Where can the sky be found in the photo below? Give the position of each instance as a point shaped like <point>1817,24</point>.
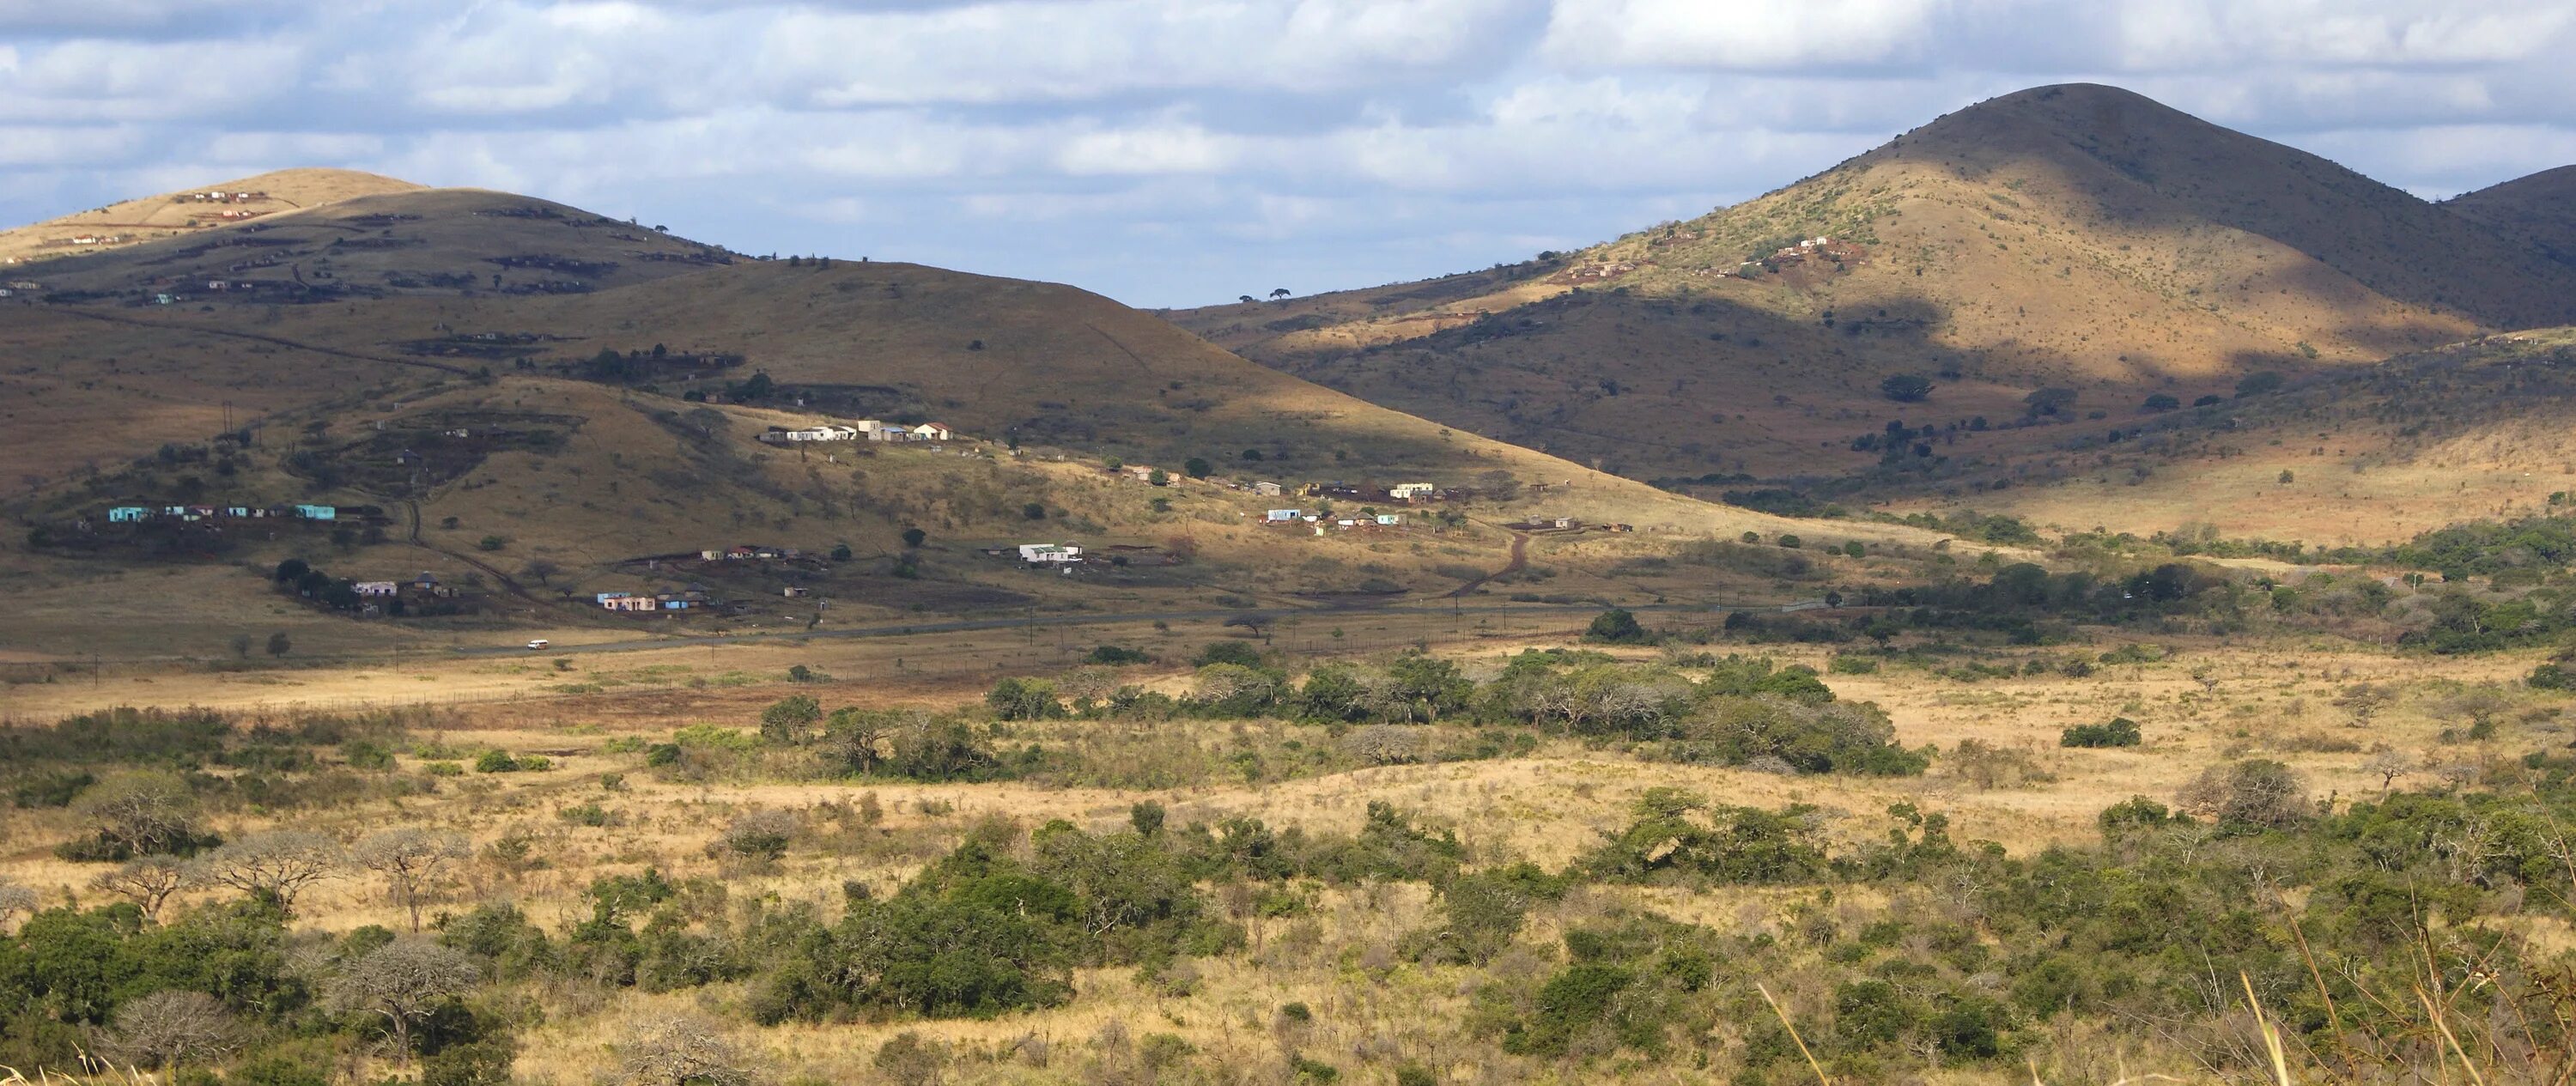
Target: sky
<point>1183,152</point>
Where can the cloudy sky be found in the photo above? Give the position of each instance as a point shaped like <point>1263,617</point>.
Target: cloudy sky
<point>1176,152</point>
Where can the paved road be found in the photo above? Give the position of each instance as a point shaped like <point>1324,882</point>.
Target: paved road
<point>1025,621</point>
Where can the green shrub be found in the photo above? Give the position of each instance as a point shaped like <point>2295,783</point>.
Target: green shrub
<point>496,761</point>
<point>2119,731</point>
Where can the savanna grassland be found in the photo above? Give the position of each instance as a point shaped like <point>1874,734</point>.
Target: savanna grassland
<point>2103,616</point>
<point>2121,819</point>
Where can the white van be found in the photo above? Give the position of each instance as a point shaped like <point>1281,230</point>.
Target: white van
<point>537,644</point>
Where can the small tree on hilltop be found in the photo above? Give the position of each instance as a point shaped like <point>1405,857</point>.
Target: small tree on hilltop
<point>274,866</point>
<point>402,982</point>
<point>1906,388</point>
<point>413,862</point>
<point>168,1029</point>
<point>681,1050</point>
<point>1616,626</point>
<point>914,537</point>
<point>791,720</point>
<point>141,813</point>
<point>147,881</point>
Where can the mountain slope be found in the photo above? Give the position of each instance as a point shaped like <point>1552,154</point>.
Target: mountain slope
<point>2080,237</point>
<point>379,315</point>
<point>171,214</point>
<point>2540,208</point>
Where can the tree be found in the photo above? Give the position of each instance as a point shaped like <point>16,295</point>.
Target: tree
<point>1197,467</point>
<point>681,1050</point>
<point>2388,765</point>
<point>840,552</point>
<point>141,813</point>
<point>907,1059</point>
<point>172,1028</point>
<point>1280,292</point>
<point>760,835</point>
<point>541,570</point>
<point>913,537</point>
<point>2160,403</point>
<point>16,898</point>
<point>241,646</point>
<point>1246,299</point>
<point>402,981</point>
<point>856,736</point>
<point>1616,626</point>
<point>1158,477</point>
<point>413,862</point>
<point>2049,401</point>
<point>2257,792</point>
<point>1033,511</point>
<point>1906,388</point>
<point>275,865</point>
<point>147,881</point>
<point>278,643</point>
<point>791,720</point>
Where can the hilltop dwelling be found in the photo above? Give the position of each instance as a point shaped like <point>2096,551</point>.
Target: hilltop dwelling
<point>1408,492</point>
<point>1267,490</point>
<point>931,431</point>
<point>373,588</point>
<point>1389,519</point>
<point>819,432</point>
<point>1050,554</point>
<point>126,514</point>
<point>1283,516</point>
<point>317,512</point>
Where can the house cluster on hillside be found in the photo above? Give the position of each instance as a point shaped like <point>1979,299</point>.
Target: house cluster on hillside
<point>425,586</point>
<point>218,196</point>
<point>863,429</point>
<point>749,552</point>
<point>1408,493</point>
<point>137,514</point>
<point>1299,518</point>
<point>685,599</point>
<point>1790,256</point>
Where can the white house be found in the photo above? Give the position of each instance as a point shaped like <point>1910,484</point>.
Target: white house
<point>1042,554</point>
<point>931,431</point>
<point>1405,492</point>
<point>373,588</point>
<point>1283,516</point>
<point>1267,490</point>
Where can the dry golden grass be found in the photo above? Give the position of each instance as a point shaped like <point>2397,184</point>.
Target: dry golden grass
<point>27,249</point>
<point>2208,703</point>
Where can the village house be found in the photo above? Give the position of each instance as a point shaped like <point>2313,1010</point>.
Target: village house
<point>1267,490</point>
<point>819,432</point>
<point>931,431</point>
<point>373,588</point>
<point>1143,473</point>
<point>1283,516</point>
<point>1409,492</point>
<point>1043,554</point>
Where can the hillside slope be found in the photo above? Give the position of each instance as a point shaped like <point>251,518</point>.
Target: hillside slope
<point>172,214</point>
<point>2080,237</point>
<point>2540,208</point>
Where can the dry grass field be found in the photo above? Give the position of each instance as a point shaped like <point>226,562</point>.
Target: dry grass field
<point>2207,703</point>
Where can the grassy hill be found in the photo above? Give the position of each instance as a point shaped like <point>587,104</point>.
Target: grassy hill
<point>2362,455</point>
<point>2078,237</point>
<point>2540,208</point>
<point>544,400</point>
<point>175,214</point>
